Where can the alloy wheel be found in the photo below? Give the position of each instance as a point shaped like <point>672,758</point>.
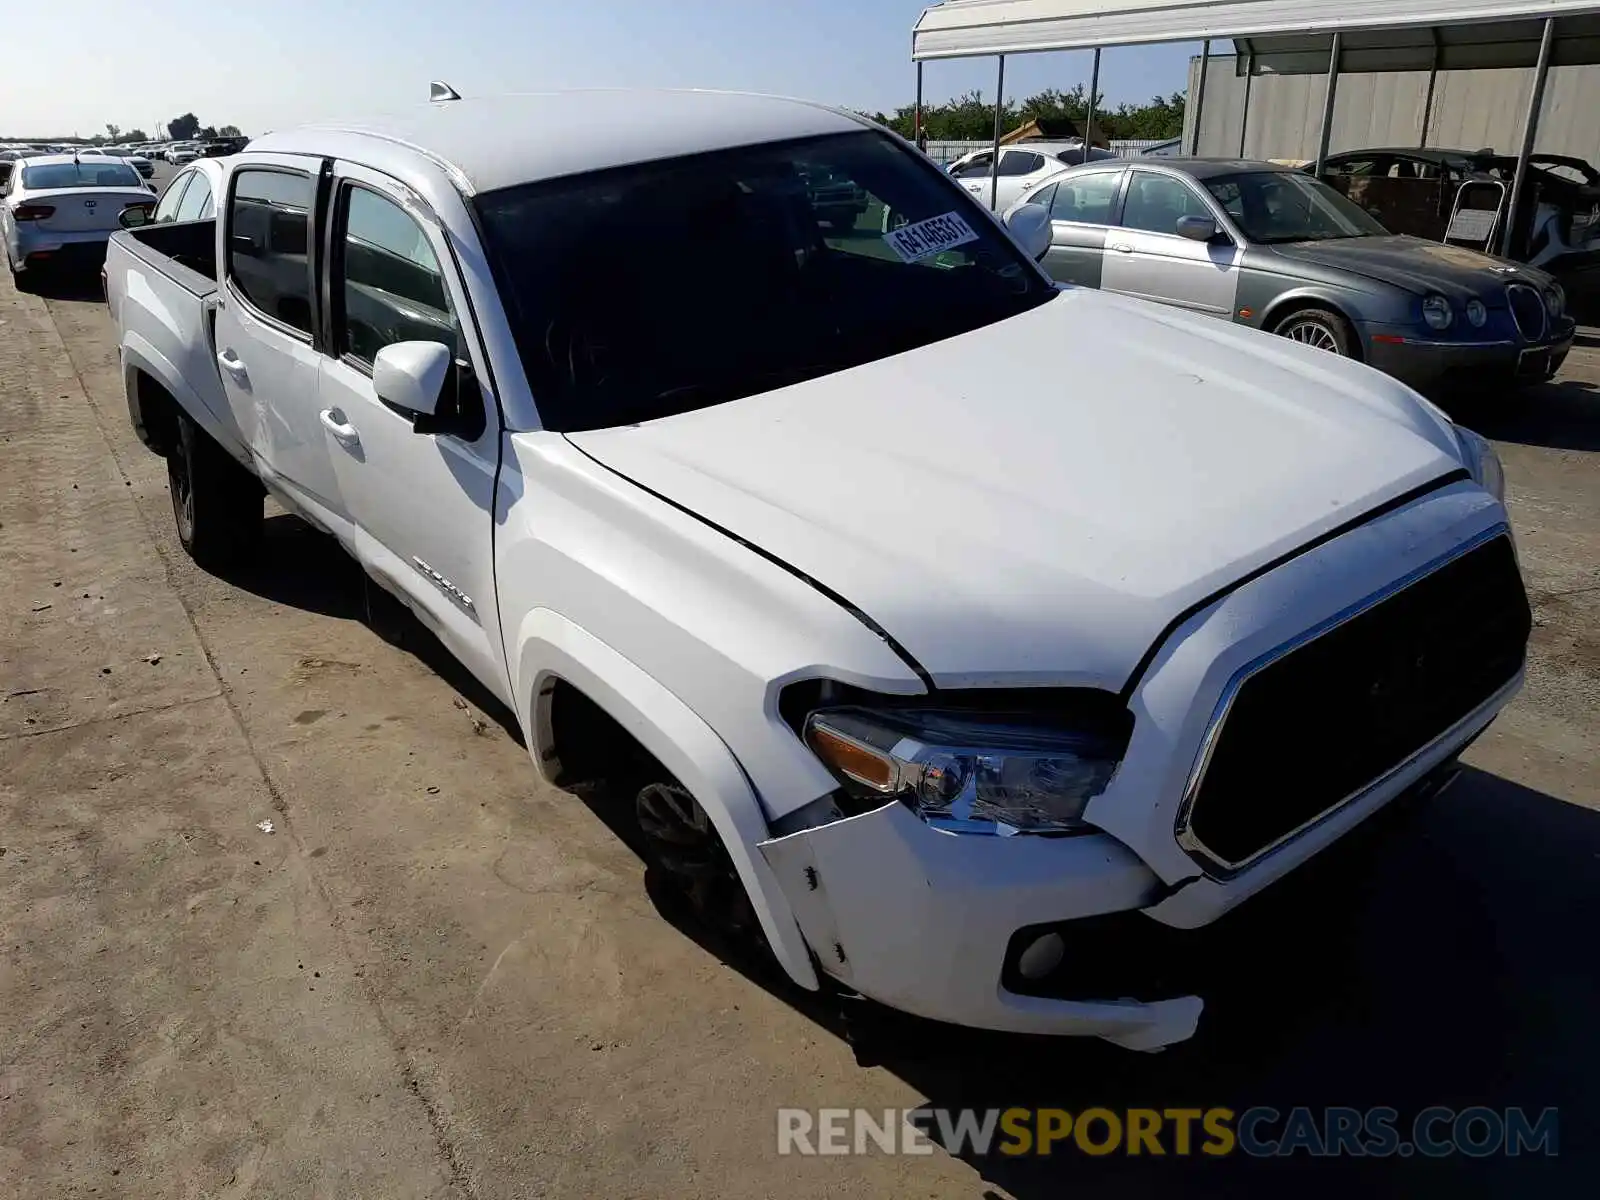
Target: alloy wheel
<point>1311,333</point>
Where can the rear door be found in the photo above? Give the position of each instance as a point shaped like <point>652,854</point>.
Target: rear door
<point>1019,170</point>
<point>1145,257</point>
<point>266,312</point>
<point>1083,212</point>
<point>421,503</point>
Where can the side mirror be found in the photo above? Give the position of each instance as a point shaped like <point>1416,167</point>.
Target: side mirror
<point>134,216</point>
<point>1030,225</point>
<point>410,376</point>
<point>1197,229</point>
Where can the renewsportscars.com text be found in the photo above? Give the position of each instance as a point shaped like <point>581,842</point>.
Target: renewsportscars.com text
<point>1215,1132</point>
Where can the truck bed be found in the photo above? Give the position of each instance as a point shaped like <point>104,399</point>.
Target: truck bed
<point>185,252</point>
<point>160,281</point>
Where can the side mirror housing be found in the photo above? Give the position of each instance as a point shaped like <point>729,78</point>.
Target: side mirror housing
<point>410,376</point>
<point>134,216</point>
<point>1197,229</point>
<point>1030,225</point>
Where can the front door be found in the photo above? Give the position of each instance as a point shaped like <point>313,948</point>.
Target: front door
<point>1145,257</point>
<point>263,338</point>
<point>1083,213</point>
<point>422,504</point>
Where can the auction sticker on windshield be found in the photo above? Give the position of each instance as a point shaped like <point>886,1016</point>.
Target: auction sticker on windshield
<point>912,242</point>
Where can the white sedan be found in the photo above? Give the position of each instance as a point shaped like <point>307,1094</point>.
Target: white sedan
<point>1021,166</point>
<point>59,207</point>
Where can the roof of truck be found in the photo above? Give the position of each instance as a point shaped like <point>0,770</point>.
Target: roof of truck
<point>499,141</point>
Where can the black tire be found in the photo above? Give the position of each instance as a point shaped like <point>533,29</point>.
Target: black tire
<point>23,281</point>
<point>215,502</point>
<point>1319,329</point>
<point>683,847</point>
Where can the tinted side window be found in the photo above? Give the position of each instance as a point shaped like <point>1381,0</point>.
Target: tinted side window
<point>1156,202</point>
<point>267,230</point>
<point>390,282</point>
<point>196,202</point>
<point>167,210</point>
<point>1088,199</point>
<point>978,168</point>
<point>1020,162</point>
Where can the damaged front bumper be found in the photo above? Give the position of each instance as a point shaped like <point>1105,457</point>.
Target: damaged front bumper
<point>939,924</point>
<point>921,920</point>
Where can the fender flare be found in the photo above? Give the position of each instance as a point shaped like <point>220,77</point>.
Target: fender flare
<point>552,648</point>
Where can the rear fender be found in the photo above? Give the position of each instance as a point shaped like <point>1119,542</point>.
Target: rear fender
<point>552,648</point>
<point>140,356</point>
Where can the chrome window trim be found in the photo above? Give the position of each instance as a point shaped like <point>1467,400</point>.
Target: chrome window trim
<point>1221,868</point>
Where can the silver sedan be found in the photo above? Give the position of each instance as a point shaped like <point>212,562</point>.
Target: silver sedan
<point>57,207</point>
<point>1270,247</point>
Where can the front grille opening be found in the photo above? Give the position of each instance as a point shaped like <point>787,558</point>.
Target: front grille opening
<point>1527,309</point>
<point>1317,726</point>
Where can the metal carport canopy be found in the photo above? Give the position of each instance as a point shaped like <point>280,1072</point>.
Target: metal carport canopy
<point>969,28</point>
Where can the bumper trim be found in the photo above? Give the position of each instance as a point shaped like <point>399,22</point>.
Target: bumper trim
<point>1218,867</point>
<point>1434,344</point>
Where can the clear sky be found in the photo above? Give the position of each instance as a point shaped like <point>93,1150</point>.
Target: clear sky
<point>279,62</point>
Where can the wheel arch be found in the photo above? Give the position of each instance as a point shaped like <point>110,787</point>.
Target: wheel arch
<point>553,650</point>
<point>153,411</point>
<point>148,374</point>
<point>1292,302</point>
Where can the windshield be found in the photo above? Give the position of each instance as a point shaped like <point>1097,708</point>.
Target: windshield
<point>1286,206</point>
<point>657,288</point>
<point>96,172</point>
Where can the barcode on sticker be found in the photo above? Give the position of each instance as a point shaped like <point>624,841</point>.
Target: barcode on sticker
<point>912,242</point>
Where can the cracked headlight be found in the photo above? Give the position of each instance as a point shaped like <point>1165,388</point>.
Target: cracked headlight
<point>965,772</point>
<point>1482,463</point>
<point>1436,312</point>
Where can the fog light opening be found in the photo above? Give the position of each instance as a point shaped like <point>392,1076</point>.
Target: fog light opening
<point>1043,955</point>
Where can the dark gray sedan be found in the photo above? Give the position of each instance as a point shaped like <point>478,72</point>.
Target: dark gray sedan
<point>1273,248</point>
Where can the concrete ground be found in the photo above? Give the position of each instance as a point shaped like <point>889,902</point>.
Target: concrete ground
<point>436,977</point>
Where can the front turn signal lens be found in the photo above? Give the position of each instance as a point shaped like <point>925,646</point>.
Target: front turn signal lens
<point>855,761</point>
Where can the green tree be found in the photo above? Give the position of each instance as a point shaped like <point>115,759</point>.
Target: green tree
<point>183,128</point>
<point>138,135</point>
<point>113,130</point>
<point>229,131</point>
<point>207,131</point>
<point>970,118</point>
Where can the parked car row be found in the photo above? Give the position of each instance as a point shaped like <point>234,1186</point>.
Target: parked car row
<point>971,640</point>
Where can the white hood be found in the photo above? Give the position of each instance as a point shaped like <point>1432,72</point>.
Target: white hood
<point>1034,501</point>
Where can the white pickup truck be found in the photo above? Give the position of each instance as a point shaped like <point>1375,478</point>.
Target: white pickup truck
<point>944,608</point>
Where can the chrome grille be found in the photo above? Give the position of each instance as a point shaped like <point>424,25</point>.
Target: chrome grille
<point>1527,309</point>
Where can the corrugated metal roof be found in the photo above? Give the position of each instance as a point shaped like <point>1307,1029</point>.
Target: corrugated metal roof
<point>964,28</point>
